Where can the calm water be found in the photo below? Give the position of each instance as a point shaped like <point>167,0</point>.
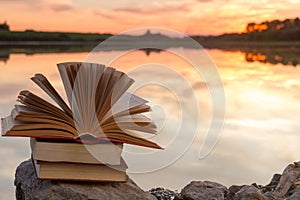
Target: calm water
<point>261,128</point>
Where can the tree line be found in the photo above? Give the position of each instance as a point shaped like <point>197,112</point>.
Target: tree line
<point>274,25</point>
<point>31,35</point>
<point>276,30</point>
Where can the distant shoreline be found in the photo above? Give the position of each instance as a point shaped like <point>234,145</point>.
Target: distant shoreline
<point>275,33</point>
<point>206,44</point>
<point>47,43</point>
<point>253,39</point>
<point>286,53</point>
<point>247,44</point>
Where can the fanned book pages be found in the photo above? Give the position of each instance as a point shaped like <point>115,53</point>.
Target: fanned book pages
<point>98,109</point>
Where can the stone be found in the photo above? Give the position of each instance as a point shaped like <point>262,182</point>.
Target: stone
<point>289,176</point>
<point>232,190</point>
<point>249,192</point>
<point>165,194</point>
<point>295,194</point>
<point>275,179</point>
<point>30,188</point>
<point>198,190</point>
<point>268,189</point>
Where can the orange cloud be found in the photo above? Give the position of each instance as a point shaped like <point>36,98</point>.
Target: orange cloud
<point>157,8</point>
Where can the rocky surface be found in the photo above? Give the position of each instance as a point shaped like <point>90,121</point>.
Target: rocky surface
<point>249,192</point>
<point>165,194</point>
<point>29,187</point>
<point>281,187</point>
<point>290,176</point>
<point>199,190</point>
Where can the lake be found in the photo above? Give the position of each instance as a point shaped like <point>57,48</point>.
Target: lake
<point>260,134</point>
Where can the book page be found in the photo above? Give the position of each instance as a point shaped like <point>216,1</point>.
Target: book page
<point>126,102</point>
<point>35,102</point>
<point>44,84</point>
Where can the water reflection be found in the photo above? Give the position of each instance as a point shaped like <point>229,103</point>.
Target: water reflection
<point>6,51</point>
<point>148,51</point>
<point>285,56</point>
<point>277,55</point>
<point>261,132</point>
<point>4,58</point>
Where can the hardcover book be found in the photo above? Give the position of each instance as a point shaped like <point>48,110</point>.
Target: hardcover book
<point>68,151</point>
<point>80,172</point>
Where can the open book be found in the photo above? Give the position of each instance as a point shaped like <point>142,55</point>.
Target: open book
<point>99,108</point>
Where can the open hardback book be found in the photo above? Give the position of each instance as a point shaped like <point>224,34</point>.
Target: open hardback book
<point>98,108</point>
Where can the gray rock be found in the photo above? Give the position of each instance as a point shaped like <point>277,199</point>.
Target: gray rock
<point>29,187</point>
<point>269,189</point>
<point>249,192</point>
<point>232,190</point>
<point>289,176</point>
<point>165,194</point>
<point>275,180</point>
<point>295,194</point>
<point>198,190</point>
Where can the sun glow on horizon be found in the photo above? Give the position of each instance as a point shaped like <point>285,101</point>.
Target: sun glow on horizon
<point>192,17</point>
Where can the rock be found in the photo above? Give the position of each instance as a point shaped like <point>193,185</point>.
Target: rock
<point>29,187</point>
<point>285,186</point>
<point>275,179</point>
<point>232,190</point>
<point>249,192</point>
<point>289,176</point>
<point>198,190</point>
<point>268,189</point>
<point>165,194</point>
<point>295,194</point>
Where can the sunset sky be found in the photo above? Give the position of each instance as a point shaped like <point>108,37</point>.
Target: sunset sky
<point>191,16</point>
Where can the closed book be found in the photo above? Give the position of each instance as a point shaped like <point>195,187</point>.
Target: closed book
<point>63,151</point>
<point>80,172</point>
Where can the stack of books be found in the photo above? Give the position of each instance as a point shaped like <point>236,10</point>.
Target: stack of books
<point>61,160</point>
<point>81,141</point>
